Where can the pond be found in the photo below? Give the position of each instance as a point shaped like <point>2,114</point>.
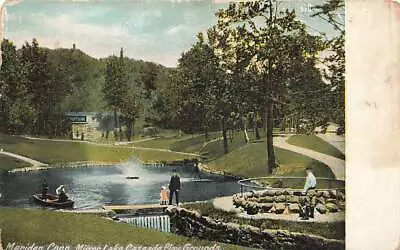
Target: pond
<point>92,187</point>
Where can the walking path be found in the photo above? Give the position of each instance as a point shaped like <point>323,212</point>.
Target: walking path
<point>337,165</point>
<point>34,163</point>
<point>338,141</point>
<point>226,204</point>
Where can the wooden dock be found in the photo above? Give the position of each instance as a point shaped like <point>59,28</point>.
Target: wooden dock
<point>134,207</point>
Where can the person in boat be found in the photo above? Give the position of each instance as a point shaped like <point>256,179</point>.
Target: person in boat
<point>62,196</point>
<point>307,204</point>
<point>174,187</point>
<point>164,197</point>
<point>45,189</point>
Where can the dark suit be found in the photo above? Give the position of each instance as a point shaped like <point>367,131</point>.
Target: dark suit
<point>174,187</point>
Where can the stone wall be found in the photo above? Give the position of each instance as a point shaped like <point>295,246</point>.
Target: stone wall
<point>286,201</point>
<point>192,224</point>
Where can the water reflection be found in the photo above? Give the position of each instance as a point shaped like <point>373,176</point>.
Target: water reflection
<point>95,186</point>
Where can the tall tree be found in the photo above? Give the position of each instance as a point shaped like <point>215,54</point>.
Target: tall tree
<point>16,114</point>
<point>277,40</point>
<point>115,87</point>
<point>45,83</point>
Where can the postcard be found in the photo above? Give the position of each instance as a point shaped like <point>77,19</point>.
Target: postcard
<point>173,124</point>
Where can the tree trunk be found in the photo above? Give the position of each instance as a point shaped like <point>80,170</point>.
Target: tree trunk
<point>115,124</point>
<point>129,129</point>
<point>206,133</point>
<point>246,136</point>
<point>270,145</point>
<point>224,135</point>
<point>258,137</point>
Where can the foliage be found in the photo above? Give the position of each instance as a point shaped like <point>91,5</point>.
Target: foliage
<point>267,47</point>
<point>334,62</point>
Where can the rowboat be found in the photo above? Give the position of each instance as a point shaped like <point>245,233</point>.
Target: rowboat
<point>52,201</point>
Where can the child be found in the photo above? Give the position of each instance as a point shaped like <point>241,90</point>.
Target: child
<point>164,195</point>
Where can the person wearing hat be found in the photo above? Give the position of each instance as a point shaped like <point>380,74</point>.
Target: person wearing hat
<point>174,187</point>
<point>307,205</point>
<point>62,196</point>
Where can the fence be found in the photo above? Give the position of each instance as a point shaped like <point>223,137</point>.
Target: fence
<point>157,222</point>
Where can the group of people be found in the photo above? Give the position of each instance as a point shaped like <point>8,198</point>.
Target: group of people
<point>60,191</point>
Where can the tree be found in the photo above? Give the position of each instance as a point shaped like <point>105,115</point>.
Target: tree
<point>17,115</point>
<point>277,41</point>
<point>335,61</point>
<point>198,71</point>
<point>115,87</point>
<point>45,83</point>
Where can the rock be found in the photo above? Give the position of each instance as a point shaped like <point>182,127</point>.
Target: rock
<point>326,194</point>
<point>341,196</point>
<point>172,209</point>
<point>320,200</point>
<point>272,210</point>
<point>319,193</point>
<point>294,208</point>
<point>266,199</point>
<point>279,208</point>
<point>331,201</point>
<point>287,192</point>
<point>271,192</point>
<point>331,207</point>
<point>333,193</point>
<point>265,207</point>
<point>278,192</point>
<point>252,208</point>
<point>280,198</point>
<point>293,199</point>
<point>321,208</point>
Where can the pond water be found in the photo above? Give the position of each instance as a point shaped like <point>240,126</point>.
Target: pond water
<point>92,187</point>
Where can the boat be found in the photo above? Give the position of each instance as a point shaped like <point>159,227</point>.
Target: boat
<point>52,201</point>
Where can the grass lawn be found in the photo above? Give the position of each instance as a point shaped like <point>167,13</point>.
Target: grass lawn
<point>7,163</point>
<point>250,161</point>
<point>43,227</point>
<point>52,152</point>
<point>331,230</point>
<point>194,144</point>
<point>315,143</point>
<point>215,149</point>
<point>163,143</point>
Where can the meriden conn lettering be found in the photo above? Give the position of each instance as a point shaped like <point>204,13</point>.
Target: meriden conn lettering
<point>33,246</point>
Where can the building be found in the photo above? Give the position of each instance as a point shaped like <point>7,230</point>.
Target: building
<point>85,125</point>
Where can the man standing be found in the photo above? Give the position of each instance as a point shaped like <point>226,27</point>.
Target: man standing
<point>307,210</point>
<point>174,187</point>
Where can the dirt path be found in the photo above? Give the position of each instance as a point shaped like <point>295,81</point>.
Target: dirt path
<point>337,141</point>
<point>337,165</point>
<point>226,204</point>
<point>33,162</point>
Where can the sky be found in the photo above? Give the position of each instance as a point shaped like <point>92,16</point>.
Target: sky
<point>151,30</point>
